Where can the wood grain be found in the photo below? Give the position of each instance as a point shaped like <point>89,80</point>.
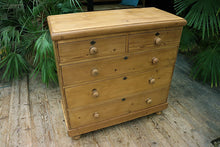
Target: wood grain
<point>192,115</point>
<point>117,87</point>
<point>109,22</point>
<point>5,95</point>
<point>80,50</point>
<point>19,116</point>
<point>116,120</point>
<point>146,40</point>
<point>116,107</point>
<point>60,79</point>
<point>101,62</point>
<point>111,67</point>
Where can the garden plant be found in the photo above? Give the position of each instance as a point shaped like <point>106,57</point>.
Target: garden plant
<point>25,42</point>
<point>201,38</point>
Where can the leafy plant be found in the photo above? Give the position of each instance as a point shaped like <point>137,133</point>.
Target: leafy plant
<point>207,64</point>
<point>17,63</point>
<point>201,35</point>
<point>14,63</point>
<point>188,40</point>
<point>200,15</point>
<point>44,58</point>
<point>24,37</point>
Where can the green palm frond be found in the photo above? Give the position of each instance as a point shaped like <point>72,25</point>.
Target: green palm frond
<point>207,64</point>
<point>9,35</point>
<point>24,36</point>
<point>9,40</point>
<point>47,67</point>
<point>200,14</point>
<point>188,40</point>
<point>44,59</point>
<point>76,4</point>
<point>13,8</point>
<point>69,7</point>
<point>15,66</point>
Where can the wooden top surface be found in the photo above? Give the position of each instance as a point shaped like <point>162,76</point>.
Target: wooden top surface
<point>74,25</point>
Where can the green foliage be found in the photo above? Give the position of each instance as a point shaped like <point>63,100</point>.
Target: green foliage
<point>188,40</point>
<point>200,15</point>
<point>11,59</point>
<point>207,64</point>
<point>10,39</point>
<point>44,58</point>
<point>15,66</point>
<point>201,36</point>
<point>24,37</point>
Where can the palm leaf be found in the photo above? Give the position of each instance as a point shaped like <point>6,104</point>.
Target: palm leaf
<point>207,64</point>
<point>44,59</point>
<point>200,14</point>
<point>15,66</point>
<point>24,35</point>
<point>188,40</point>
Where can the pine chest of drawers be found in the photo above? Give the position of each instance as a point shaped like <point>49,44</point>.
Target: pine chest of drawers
<point>114,66</point>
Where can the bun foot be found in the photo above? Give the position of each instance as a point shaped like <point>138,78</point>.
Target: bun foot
<point>159,113</point>
<point>76,137</point>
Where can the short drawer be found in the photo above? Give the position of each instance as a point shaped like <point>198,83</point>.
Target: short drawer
<point>154,39</point>
<point>116,87</point>
<point>114,108</point>
<point>110,67</point>
<point>92,48</point>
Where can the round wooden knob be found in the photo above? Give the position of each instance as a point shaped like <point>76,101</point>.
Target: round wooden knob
<point>93,50</point>
<point>152,81</point>
<point>96,115</point>
<point>148,101</point>
<point>158,41</point>
<point>95,93</point>
<point>155,60</point>
<point>95,72</point>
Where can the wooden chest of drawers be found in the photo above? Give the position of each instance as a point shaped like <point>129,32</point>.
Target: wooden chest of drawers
<point>114,66</point>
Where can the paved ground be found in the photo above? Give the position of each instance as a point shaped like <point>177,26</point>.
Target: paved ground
<point>31,115</point>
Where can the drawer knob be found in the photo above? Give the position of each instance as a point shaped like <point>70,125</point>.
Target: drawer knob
<point>155,60</point>
<point>93,50</point>
<point>152,81</point>
<point>95,93</point>
<point>96,115</point>
<point>95,72</point>
<point>158,41</point>
<point>148,101</point>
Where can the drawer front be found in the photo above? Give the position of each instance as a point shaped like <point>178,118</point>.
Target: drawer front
<point>87,49</point>
<point>104,68</point>
<point>117,87</point>
<point>116,107</point>
<point>154,40</point>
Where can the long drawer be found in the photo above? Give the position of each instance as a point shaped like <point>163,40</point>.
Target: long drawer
<point>154,39</point>
<point>104,68</point>
<point>117,87</point>
<point>114,108</point>
<point>91,48</point>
